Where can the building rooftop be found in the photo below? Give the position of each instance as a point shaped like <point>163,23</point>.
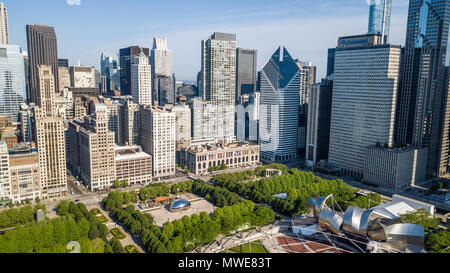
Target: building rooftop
<point>218,146</point>
<point>129,152</point>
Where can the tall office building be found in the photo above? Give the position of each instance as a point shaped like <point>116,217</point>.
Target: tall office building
<point>142,80</point>
<point>110,71</point>
<point>319,117</point>
<point>42,50</point>
<point>158,139</point>
<point>380,18</point>
<point>162,75</point>
<point>12,81</point>
<point>423,105</point>
<point>182,123</point>
<point>278,130</point>
<point>50,138</point>
<point>129,123</point>
<point>127,57</point>
<point>247,118</point>
<point>4,32</point>
<point>364,98</point>
<point>97,165</point>
<point>246,71</point>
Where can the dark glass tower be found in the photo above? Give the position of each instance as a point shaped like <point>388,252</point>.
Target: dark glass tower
<point>42,50</point>
<point>246,72</point>
<point>127,55</point>
<point>423,110</point>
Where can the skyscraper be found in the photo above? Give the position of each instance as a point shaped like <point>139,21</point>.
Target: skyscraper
<point>12,81</point>
<point>4,32</point>
<point>278,130</point>
<point>162,75</point>
<point>142,80</point>
<point>219,82</point>
<point>127,57</point>
<point>129,123</point>
<point>110,74</point>
<point>246,71</point>
<point>380,18</point>
<point>50,138</point>
<point>42,50</point>
<point>423,105</point>
<point>364,97</point>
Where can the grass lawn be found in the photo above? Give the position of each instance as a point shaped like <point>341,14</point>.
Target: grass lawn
<point>132,249</point>
<point>257,247</point>
<point>118,233</point>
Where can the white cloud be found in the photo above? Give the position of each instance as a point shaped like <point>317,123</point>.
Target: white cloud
<point>73,2</point>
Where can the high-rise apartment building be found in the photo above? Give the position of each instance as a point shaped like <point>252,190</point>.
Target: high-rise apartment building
<point>142,80</point>
<point>380,18</point>
<point>97,144</point>
<point>219,83</point>
<point>127,57</point>
<point>129,123</point>
<point>158,139</point>
<point>50,138</point>
<point>278,125</point>
<point>4,31</point>
<point>423,115</point>
<point>13,91</point>
<point>42,50</point>
<point>246,71</point>
<point>364,98</point>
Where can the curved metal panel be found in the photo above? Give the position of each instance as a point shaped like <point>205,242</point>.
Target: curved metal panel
<point>330,220</point>
<point>366,217</point>
<point>310,204</point>
<point>179,205</point>
<point>406,236</point>
<point>352,219</point>
<point>320,204</point>
<point>376,230</point>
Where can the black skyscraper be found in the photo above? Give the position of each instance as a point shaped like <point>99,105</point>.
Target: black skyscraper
<point>127,56</point>
<point>42,50</point>
<point>422,109</point>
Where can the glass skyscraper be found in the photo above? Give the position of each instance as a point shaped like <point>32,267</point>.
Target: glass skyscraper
<point>12,81</point>
<point>423,108</point>
<point>380,17</point>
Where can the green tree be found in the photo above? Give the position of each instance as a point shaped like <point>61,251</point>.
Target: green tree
<point>419,217</point>
<point>117,183</point>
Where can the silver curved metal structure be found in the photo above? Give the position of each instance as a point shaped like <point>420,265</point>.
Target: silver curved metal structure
<point>406,236</point>
<point>310,204</point>
<point>320,204</point>
<point>352,220</point>
<point>330,220</point>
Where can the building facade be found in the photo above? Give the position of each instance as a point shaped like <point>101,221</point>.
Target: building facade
<point>13,91</point>
<point>182,124</point>
<point>278,130</point>
<point>133,165</point>
<point>50,137</point>
<point>319,118</point>
<point>129,123</point>
<point>4,31</point>
<point>5,182</point>
<point>395,169</point>
<point>364,98</point>
<point>201,159</point>
<point>127,57</point>
<point>82,77</point>
<point>24,175</point>
<point>423,114</point>
<point>380,18</point>
<point>246,71</point>
<point>42,50</point>
<point>142,80</point>
<point>158,139</point>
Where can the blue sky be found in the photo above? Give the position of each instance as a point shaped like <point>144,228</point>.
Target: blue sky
<point>306,27</point>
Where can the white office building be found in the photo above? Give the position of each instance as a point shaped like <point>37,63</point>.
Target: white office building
<point>142,80</point>
<point>364,100</point>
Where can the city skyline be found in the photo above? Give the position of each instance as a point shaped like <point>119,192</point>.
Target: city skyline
<point>307,27</point>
